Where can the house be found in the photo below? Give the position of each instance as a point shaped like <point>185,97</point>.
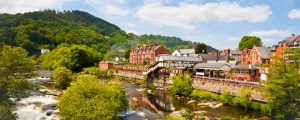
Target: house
<point>44,50</point>
<point>245,72</point>
<point>233,54</point>
<point>288,43</point>
<point>211,58</point>
<point>184,52</point>
<point>119,58</point>
<point>256,55</point>
<point>147,53</point>
<point>216,70</point>
<point>105,65</point>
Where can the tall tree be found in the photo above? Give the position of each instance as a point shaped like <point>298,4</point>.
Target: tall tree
<point>200,48</point>
<point>249,41</point>
<point>15,68</point>
<point>284,89</point>
<point>88,99</point>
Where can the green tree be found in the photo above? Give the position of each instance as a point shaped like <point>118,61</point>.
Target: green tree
<point>88,99</point>
<point>15,68</point>
<point>249,41</point>
<point>283,90</point>
<point>200,48</point>
<point>73,57</point>
<point>182,85</point>
<point>62,77</point>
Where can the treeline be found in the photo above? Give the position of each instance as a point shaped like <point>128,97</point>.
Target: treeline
<point>49,28</point>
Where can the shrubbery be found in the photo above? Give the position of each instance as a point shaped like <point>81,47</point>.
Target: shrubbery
<point>88,99</point>
<point>62,77</point>
<point>182,85</point>
<point>204,95</point>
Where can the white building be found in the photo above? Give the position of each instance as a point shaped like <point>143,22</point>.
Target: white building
<point>44,50</point>
<point>184,52</point>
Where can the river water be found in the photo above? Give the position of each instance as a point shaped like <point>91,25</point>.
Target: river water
<point>144,104</point>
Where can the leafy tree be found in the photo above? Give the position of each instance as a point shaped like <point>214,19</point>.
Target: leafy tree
<point>62,77</point>
<point>200,48</point>
<point>226,97</point>
<point>91,100</point>
<point>182,85</point>
<point>73,57</point>
<point>284,89</point>
<point>249,41</point>
<point>15,68</point>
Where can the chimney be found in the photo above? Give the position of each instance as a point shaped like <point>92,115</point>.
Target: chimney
<point>228,55</point>
<point>217,55</point>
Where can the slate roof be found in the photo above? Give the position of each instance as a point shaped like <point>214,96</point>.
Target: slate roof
<point>264,52</point>
<point>211,65</point>
<point>181,58</point>
<point>147,47</point>
<point>207,57</point>
<point>186,51</point>
<point>235,52</point>
<point>245,66</point>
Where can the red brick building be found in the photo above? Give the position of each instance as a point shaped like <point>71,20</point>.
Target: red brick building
<point>288,43</point>
<point>256,55</point>
<point>148,53</point>
<point>104,65</point>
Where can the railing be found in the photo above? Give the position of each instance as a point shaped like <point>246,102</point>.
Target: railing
<point>229,80</point>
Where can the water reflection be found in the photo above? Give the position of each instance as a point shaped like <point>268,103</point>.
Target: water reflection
<point>159,103</point>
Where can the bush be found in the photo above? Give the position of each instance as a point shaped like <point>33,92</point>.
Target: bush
<point>203,95</point>
<point>87,99</point>
<point>182,85</point>
<point>226,97</point>
<point>255,105</point>
<point>62,77</point>
<point>226,118</point>
<point>91,70</point>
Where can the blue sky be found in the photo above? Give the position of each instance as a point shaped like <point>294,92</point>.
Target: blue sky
<point>219,23</point>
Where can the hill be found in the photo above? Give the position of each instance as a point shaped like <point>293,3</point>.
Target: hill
<point>49,28</point>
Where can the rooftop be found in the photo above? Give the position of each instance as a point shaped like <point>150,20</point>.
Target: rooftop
<point>222,66</point>
<point>179,58</point>
<point>186,51</point>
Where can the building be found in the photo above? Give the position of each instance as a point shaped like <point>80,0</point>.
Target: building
<point>105,65</point>
<point>119,58</point>
<point>212,70</point>
<point>211,58</point>
<point>184,52</point>
<point>44,50</point>
<point>147,53</point>
<point>245,72</point>
<point>172,65</point>
<point>288,43</point>
<point>256,55</point>
<point>233,54</point>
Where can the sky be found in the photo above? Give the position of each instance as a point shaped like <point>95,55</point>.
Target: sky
<point>218,23</point>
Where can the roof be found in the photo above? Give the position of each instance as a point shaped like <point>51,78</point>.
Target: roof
<point>222,66</point>
<point>245,66</point>
<point>179,58</point>
<point>236,52</point>
<point>207,57</point>
<point>186,51</point>
<point>147,47</point>
<point>264,52</point>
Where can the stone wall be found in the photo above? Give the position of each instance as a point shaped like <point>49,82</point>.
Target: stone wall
<point>130,74</point>
<point>234,88</point>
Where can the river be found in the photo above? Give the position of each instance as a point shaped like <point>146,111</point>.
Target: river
<point>144,104</point>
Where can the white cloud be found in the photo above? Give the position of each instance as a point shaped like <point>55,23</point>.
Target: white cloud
<point>233,38</point>
<point>271,33</point>
<point>294,14</point>
<point>184,15</point>
<point>271,36</point>
<point>21,6</point>
<point>112,8</point>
